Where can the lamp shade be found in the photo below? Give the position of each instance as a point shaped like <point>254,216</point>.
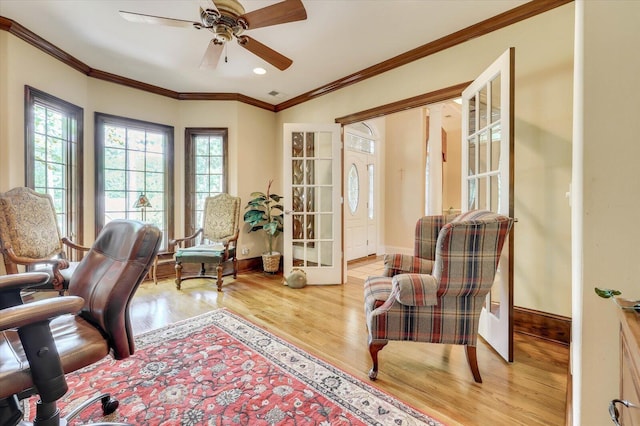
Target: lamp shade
<point>142,202</point>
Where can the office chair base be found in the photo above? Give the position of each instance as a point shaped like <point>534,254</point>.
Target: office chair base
<point>47,414</point>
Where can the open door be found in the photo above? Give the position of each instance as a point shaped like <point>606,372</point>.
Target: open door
<point>487,182</point>
<point>313,201</point>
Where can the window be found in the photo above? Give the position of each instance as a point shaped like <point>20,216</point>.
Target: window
<point>53,156</point>
<point>205,170</point>
<point>134,159</point>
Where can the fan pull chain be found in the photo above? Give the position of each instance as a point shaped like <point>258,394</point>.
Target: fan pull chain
<point>225,53</point>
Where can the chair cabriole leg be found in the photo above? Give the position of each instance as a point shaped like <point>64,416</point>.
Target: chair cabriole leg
<point>472,359</point>
<point>374,348</point>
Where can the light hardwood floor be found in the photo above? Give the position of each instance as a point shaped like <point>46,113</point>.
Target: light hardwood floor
<point>328,321</point>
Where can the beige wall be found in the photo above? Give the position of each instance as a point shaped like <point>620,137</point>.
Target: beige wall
<point>405,154</point>
<point>606,186</point>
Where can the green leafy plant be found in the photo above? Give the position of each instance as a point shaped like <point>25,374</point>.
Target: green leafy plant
<point>606,293</point>
<point>264,212</point>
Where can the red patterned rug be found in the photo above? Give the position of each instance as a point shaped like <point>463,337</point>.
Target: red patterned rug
<point>220,369</point>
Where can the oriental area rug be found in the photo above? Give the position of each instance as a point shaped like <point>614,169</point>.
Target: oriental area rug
<point>220,369</point>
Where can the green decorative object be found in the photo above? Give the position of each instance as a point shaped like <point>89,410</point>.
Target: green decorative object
<point>606,293</point>
<point>264,212</point>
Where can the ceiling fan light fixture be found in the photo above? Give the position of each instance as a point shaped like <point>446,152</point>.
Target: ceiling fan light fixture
<point>259,71</point>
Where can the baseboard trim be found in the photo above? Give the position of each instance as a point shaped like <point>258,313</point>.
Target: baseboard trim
<point>556,328</point>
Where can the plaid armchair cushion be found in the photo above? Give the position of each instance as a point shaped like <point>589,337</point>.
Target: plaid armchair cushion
<point>395,264</point>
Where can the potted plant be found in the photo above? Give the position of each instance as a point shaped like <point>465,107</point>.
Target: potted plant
<point>264,212</point>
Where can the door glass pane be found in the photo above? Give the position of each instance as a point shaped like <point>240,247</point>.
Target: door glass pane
<point>310,145</point>
<point>482,193</point>
<point>495,147</point>
<point>370,198</point>
<point>309,229</point>
<point>483,151</point>
<point>297,172</point>
<point>472,193</point>
<point>325,199</point>
<point>472,116</point>
<point>495,99</point>
<point>472,157</point>
<point>297,221</point>
<point>353,188</point>
<point>482,106</point>
<point>297,144</point>
<point>326,253</point>
<point>326,226</point>
<point>323,172</point>
<point>324,144</point>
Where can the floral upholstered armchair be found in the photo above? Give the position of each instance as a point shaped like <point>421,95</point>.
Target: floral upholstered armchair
<point>29,236</point>
<point>217,242</point>
<point>437,298</point>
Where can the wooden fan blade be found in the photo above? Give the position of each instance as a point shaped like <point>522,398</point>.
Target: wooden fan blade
<point>279,13</point>
<point>268,54</point>
<point>150,19</point>
<point>212,55</point>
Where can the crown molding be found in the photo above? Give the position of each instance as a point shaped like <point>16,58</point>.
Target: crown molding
<point>527,10</point>
<point>520,13</point>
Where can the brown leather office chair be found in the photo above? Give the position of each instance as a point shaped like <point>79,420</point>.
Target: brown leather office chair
<point>29,236</point>
<point>39,344</point>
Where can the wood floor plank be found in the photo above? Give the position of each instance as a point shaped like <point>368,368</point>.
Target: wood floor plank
<point>329,322</point>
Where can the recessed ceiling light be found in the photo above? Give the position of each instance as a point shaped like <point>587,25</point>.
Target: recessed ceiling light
<point>259,71</point>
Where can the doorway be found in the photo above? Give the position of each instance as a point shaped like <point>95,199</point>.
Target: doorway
<point>361,146</point>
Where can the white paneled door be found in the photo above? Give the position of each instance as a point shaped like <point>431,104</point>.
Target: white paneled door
<point>487,182</point>
<point>313,201</point>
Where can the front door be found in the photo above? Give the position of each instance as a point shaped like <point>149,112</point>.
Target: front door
<point>487,182</point>
<point>313,201</point>
<point>359,221</point>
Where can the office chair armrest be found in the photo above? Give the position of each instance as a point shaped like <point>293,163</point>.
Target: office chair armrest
<point>38,311</point>
<point>11,286</point>
<point>22,281</point>
<point>67,242</point>
<point>415,289</point>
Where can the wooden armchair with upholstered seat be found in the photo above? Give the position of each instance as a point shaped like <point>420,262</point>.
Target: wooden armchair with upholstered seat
<point>438,298</point>
<point>30,236</point>
<point>216,241</point>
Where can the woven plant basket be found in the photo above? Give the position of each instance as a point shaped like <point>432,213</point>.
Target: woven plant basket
<point>271,262</point>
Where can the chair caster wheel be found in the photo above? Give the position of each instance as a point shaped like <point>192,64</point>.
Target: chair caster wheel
<point>109,405</point>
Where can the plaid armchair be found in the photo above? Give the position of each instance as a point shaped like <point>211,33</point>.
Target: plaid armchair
<point>29,236</point>
<point>442,305</point>
<point>217,242</point>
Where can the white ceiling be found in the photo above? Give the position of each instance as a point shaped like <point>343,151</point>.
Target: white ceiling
<point>338,38</point>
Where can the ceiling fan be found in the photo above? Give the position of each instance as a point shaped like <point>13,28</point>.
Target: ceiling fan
<point>228,20</point>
